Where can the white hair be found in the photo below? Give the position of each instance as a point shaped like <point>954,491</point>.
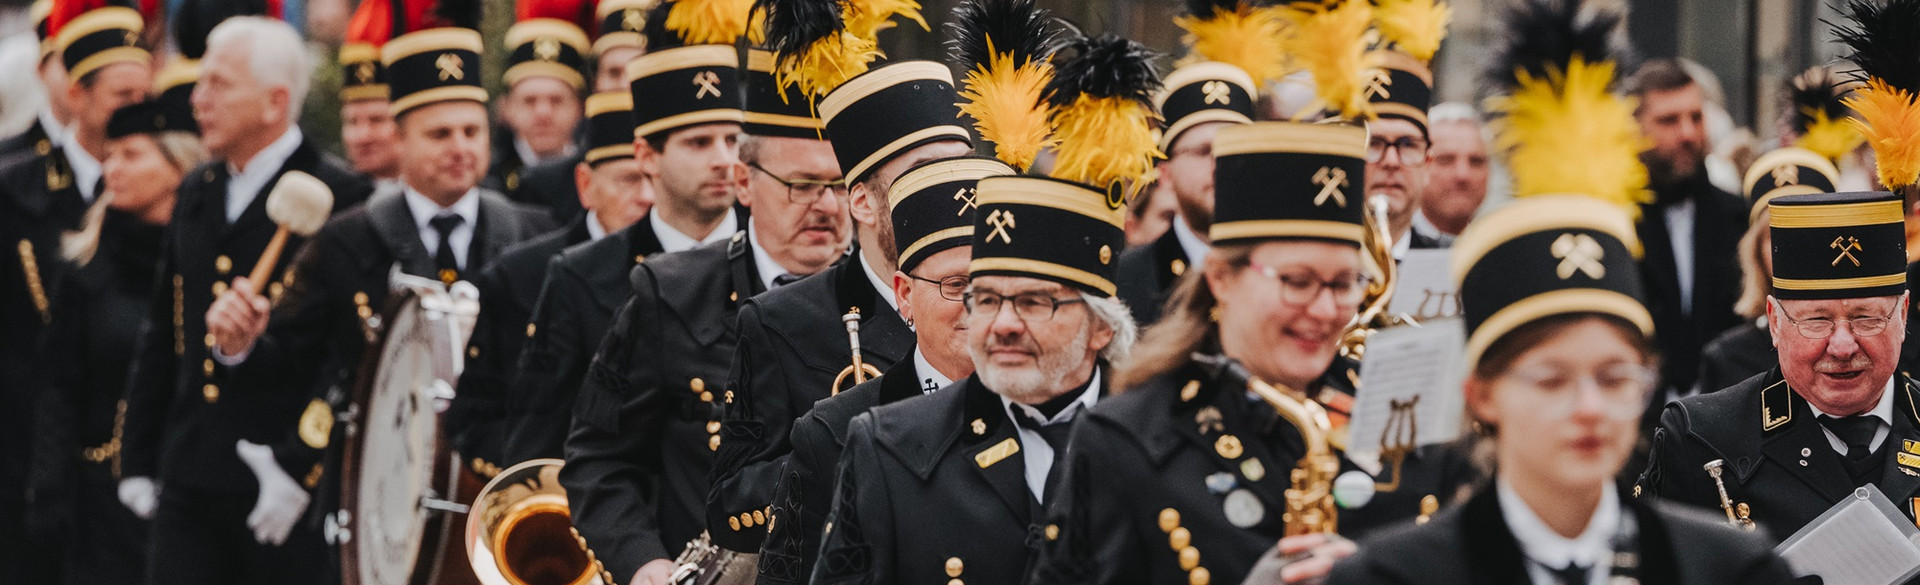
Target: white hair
<point>276,57</point>
<point>1118,319</point>
<point>20,103</point>
<point>1453,112</point>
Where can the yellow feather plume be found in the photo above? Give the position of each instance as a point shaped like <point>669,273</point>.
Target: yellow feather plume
<point>712,22</point>
<point>866,18</point>
<point>1828,137</point>
<point>1251,38</point>
<point>1331,43</point>
<point>827,63</point>
<point>1569,134</point>
<point>1005,102</point>
<point>1104,142</point>
<point>1889,119</point>
<point>1415,27</point>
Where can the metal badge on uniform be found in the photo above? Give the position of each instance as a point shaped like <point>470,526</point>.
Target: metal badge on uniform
<point>1208,419</point>
<point>316,424</point>
<point>996,453</point>
<point>1220,483</point>
<point>1244,509</point>
<point>1910,446</point>
<point>1253,469</point>
<point>1228,446</point>
<point>1907,461</point>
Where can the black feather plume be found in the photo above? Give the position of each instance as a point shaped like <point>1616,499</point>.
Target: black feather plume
<point>1206,8</point>
<point>1543,34</point>
<point>1883,42</point>
<point>460,13</point>
<point>794,25</point>
<point>195,18</point>
<point>1103,67</point>
<point>655,31</point>
<point>1019,27</point>
<point>1814,91</point>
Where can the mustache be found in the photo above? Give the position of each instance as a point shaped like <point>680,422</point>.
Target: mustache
<point>1016,342</point>
<point>1858,363</point>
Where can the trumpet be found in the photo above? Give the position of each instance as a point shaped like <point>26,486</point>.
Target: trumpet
<point>1738,515</point>
<point>1310,501</point>
<point>859,371</point>
<point>1373,314</point>
<point>520,531</point>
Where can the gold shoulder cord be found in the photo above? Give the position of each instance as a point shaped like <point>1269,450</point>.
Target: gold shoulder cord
<point>31,267</point>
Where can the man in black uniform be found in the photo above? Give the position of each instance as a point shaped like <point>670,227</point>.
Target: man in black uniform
<point>1835,414</point>
<point>642,421</point>
<point>933,230</point>
<point>793,341</point>
<point>1199,99</point>
<point>615,195</point>
<point>541,111</point>
<point>977,458</point>
<point>550,184</point>
<point>1397,147</point>
<point>181,425</point>
<point>367,133</point>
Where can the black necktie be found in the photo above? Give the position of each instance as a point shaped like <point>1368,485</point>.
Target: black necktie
<point>786,279</point>
<point>444,261</point>
<point>1856,431</point>
<point>1056,437</point>
<point>1571,574</point>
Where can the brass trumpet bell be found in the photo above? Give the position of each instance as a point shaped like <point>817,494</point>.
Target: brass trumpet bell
<point>859,370</point>
<point>520,531</point>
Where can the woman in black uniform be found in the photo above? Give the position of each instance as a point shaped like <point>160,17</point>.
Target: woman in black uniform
<point>97,308</point>
<point>1181,477</point>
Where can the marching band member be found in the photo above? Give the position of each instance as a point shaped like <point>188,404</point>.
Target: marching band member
<point>367,132</point>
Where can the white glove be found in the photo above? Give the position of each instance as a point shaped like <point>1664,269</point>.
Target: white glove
<point>281,501</point>
<point>141,495</point>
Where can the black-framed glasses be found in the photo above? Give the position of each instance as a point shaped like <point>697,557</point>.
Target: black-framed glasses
<point>1413,151</point>
<point>1822,327</point>
<point>1301,289</point>
<point>805,191</point>
<point>1033,307</point>
<point>952,288</point>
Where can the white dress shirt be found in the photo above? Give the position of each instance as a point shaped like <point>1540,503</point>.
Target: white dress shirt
<point>1190,243</point>
<point>763,262</point>
<point>245,184</point>
<point>881,286</point>
<point>595,231</point>
<point>1679,218</point>
<point>424,210</point>
<point>1882,411</point>
<point>1548,550</point>
<point>56,132</point>
<point>930,378</point>
<point>1034,450</point>
<point>86,169</point>
<point>672,240</point>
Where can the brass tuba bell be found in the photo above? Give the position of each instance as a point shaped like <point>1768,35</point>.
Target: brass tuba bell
<point>860,371</point>
<point>520,531</point>
<point>1311,508</point>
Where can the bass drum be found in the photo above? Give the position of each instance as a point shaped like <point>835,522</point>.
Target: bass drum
<point>402,485</point>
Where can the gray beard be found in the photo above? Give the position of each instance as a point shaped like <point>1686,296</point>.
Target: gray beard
<point>1039,383</point>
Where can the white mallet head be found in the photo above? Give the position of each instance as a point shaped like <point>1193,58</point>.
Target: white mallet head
<point>299,203</point>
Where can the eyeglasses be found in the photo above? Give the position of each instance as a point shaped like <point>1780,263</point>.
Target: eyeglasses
<point>1300,289</point>
<point>1413,151</point>
<point>1033,307</point>
<point>805,191</point>
<point>1623,389</point>
<point>1822,328</point>
<point>952,288</point>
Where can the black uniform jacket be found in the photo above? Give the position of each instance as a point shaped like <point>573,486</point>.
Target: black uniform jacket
<point>1719,220</point>
<point>33,141</point>
<point>1778,460</point>
<point>549,185</point>
<point>183,418</point>
<point>1147,274</point>
<point>316,340</point>
<point>508,288</point>
<point>641,445</point>
<point>805,491</point>
<point>1188,452</point>
<point>1470,544</point>
<point>792,345</point>
<point>581,294</point>
<point>1739,353</point>
<point>932,489</point>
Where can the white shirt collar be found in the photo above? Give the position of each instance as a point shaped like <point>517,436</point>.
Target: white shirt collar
<point>672,240</point>
<point>763,262</point>
<point>270,159</point>
<point>56,132</point>
<point>885,290</point>
<point>1883,411</point>
<point>86,169</point>
<point>1403,244</point>
<point>1087,400</point>
<point>1034,450</point>
<point>594,230</point>
<point>1190,243</point>
<point>424,210</point>
<point>930,378</point>
<point>529,158</point>
<point>1592,549</point>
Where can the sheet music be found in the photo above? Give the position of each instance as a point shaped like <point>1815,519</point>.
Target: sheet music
<point>1856,543</point>
<point>1405,364</point>
<point>1424,289</point>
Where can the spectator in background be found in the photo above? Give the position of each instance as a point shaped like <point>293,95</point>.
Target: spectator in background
<point>1691,230</point>
<point>1458,170</point>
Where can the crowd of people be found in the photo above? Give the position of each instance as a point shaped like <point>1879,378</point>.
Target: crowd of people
<point>781,310</point>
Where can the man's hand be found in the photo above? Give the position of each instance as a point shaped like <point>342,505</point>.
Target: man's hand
<point>140,495</point>
<point>655,572</point>
<point>238,318</point>
<point>281,500</point>
<point>1301,559</point>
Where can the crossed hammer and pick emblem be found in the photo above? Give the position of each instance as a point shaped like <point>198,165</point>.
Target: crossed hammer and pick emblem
<point>1578,253</point>
<point>1001,220</point>
<point>706,82</point>
<point>450,65</point>
<point>965,197</point>
<point>1786,174</point>
<point>1377,82</point>
<point>1846,245</point>
<point>1332,181</point>
<point>1217,92</point>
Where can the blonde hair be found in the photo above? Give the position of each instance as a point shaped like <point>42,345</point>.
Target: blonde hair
<point>1756,277</point>
<point>1185,326</point>
<point>182,150</point>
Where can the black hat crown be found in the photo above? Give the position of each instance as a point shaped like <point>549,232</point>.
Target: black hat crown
<point>1838,245</point>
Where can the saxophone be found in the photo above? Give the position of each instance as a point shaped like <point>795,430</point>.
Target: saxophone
<point>1310,503</point>
<point>1373,314</point>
